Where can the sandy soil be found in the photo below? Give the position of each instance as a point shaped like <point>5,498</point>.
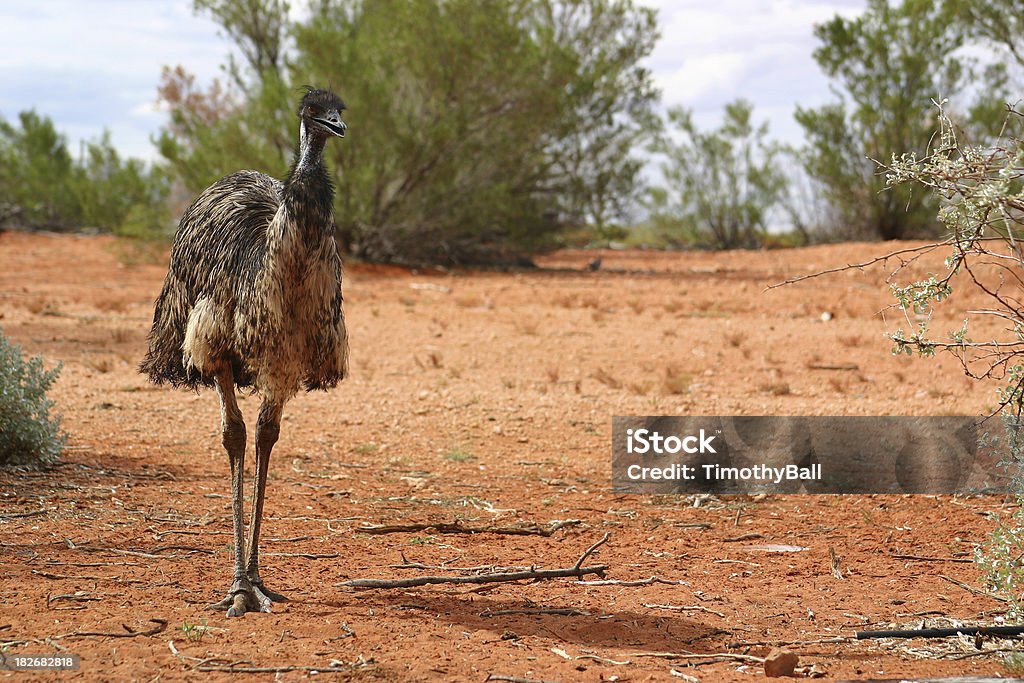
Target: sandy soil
<point>483,399</point>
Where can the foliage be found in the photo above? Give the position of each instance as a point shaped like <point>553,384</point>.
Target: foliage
<point>888,64</point>
<point>998,560</point>
<point>44,187</point>
<point>511,120</point>
<point>997,22</point>
<point>29,435</point>
<point>722,184</point>
<point>982,193</point>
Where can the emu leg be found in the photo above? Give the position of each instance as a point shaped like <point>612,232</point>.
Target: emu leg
<point>242,597</point>
<point>268,426</point>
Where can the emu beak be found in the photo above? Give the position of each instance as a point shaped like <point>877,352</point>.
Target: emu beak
<point>333,123</point>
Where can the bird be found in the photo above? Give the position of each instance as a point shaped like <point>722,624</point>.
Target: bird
<point>253,300</point>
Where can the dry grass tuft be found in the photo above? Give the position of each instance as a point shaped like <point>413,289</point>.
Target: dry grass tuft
<point>602,376</point>
<point>775,388</point>
<point>676,381</point>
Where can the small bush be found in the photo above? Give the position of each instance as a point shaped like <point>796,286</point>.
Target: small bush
<point>29,436</point>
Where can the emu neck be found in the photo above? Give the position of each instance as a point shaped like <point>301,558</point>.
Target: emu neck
<point>310,156</point>
<point>308,195</point>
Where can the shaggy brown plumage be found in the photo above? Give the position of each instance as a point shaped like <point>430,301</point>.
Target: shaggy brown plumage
<point>253,299</point>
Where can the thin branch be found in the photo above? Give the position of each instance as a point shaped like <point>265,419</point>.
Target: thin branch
<point>514,679</point>
<point>532,529</point>
<point>536,575</point>
<point>837,640</point>
<point>921,558</point>
<point>129,632</point>
<point>686,608</point>
<point>864,264</point>
<point>556,611</point>
<point>277,669</point>
<point>578,571</point>
<point>972,589</point>
<point>635,582</point>
<point>711,656</point>
<point>591,549</point>
<point>30,513</point>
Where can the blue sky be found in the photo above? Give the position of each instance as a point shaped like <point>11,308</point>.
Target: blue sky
<point>95,64</point>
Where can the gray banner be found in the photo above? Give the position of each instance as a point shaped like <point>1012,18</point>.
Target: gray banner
<point>708,454</point>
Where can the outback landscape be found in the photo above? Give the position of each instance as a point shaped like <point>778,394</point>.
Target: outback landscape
<point>474,434</point>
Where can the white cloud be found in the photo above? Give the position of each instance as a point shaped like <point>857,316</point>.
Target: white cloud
<point>96,65</point>
<point>711,54</point>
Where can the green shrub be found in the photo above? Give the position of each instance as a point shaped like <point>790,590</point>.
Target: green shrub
<point>29,435</point>
<point>981,196</point>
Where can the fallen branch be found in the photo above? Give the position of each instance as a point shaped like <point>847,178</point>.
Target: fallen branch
<point>277,669</point>
<point>921,558</point>
<point>635,582</point>
<point>537,574</point>
<point>711,656</point>
<point>557,611</point>
<point>138,553</point>
<point>686,608</point>
<point>972,589</point>
<point>460,528</point>
<point>1002,631</point>
<point>836,640</point>
<point>161,626</point>
<point>841,366</point>
<point>31,513</point>
<point>577,571</point>
<point>513,679</point>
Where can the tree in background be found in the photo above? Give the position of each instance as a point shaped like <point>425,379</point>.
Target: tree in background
<point>998,22</point>
<point>43,186</point>
<point>887,65</point>
<point>476,128</point>
<point>721,185</point>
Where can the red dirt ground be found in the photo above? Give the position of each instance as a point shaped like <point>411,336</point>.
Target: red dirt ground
<point>485,399</point>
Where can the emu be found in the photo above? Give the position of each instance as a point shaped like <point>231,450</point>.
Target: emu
<point>253,299</point>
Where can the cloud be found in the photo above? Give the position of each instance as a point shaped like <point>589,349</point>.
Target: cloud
<point>96,65</point>
<point>760,50</point>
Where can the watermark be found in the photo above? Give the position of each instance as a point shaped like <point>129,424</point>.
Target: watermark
<point>733,454</point>
<point>50,662</point>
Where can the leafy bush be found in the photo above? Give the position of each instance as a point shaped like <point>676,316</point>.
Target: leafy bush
<point>29,435</point>
<point>476,128</point>
<point>722,184</point>
<point>981,190</point>
<point>886,66</point>
<point>42,186</point>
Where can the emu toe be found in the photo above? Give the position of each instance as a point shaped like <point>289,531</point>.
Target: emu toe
<point>245,597</point>
<point>274,597</point>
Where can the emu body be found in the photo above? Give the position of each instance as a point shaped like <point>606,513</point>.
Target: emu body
<point>253,299</point>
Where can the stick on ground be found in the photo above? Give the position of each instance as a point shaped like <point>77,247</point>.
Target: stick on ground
<point>578,571</point>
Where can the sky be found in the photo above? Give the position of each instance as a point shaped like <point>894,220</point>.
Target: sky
<point>95,64</point>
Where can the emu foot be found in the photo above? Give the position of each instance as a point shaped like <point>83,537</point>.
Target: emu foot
<point>245,597</point>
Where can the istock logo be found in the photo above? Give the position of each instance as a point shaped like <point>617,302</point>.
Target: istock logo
<point>645,441</point>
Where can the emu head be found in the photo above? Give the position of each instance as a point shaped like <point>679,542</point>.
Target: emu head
<point>321,111</point>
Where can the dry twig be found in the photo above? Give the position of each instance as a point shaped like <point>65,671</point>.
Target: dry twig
<point>161,626</point>
<point>685,608</point>
<point>577,571</point>
<point>532,529</point>
<point>557,611</point>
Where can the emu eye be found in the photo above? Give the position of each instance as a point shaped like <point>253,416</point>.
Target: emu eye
<point>314,111</point>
